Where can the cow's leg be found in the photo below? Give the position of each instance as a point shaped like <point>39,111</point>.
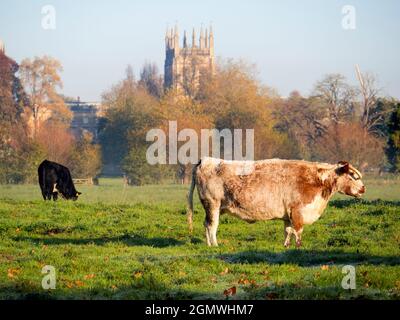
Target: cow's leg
<point>214,227</point>
<point>211,226</point>
<point>297,233</point>
<point>207,230</point>
<point>48,194</point>
<point>288,231</point>
<point>297,221</point>
<point>55,196</point>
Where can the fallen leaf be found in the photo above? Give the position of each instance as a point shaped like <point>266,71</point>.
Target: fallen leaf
<point>224,272</point>
<point>243,281</point>
<point>325,267</point>
<point>11,273</point>
<point>230,291</point>
<point>17,230</point>
<point>79,283</point>
<point>89,276</point>
<point>138,274</point>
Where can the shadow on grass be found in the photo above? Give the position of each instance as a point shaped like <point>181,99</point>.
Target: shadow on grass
<point>142,290</point>
<point>345,203</point>
<point>152,289</point>
<point>130,240</point>
<point>306,258</point>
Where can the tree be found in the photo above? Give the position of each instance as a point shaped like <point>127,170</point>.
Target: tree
<point>128,117</point>
<point>373,110</point>
<point>151,80</point>
<point>19,157</point>
<point>15,150</point>
<point>188,114</point>
<point>350,142</point>
<point>393,145</point>
<point>302,120</point>
<point>236,100</point>
<point>336,97</point>
<point>85,158</point>
<point>40,78</point>
<point>12,96</point>
<point>56,141</point>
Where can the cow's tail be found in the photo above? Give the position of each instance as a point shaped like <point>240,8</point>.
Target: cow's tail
<point>189,210</point>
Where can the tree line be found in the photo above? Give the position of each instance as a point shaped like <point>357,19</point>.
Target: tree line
<point>336,121</point>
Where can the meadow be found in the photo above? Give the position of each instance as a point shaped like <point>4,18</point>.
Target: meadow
<point>120,242</point>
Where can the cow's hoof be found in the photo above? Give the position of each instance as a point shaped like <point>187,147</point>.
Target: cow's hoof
<point>287,245</point>
<point>298,244</point>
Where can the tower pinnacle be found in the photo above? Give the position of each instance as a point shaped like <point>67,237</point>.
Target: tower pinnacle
<point>194,39</point>
<point>2,47</point>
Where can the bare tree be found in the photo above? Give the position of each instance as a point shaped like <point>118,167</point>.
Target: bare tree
<point>372,112</point>
<point>336,96</point>
<point>151,80</point>
<point>302,120</point>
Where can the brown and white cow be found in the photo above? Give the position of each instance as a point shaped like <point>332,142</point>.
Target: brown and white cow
<point>294,191</point>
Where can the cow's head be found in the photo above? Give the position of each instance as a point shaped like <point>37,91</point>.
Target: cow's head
<point>76,195</point>
<point>72,194</point>
<point>349,180</point>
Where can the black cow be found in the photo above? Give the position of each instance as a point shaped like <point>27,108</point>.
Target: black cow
<point>54,178</point>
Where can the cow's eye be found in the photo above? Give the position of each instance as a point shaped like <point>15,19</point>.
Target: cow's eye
<point>353,176</point>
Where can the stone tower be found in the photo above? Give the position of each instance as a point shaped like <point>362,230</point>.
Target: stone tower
<point>2,47</point>
<point>186,66</point>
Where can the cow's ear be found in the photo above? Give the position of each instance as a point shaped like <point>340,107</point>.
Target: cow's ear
<point>78,193</point>
<point>343,167</point>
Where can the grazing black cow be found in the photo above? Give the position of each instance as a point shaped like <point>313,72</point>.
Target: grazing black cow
<point>54,178</point>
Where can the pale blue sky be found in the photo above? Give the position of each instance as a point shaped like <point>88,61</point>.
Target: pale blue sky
<point>293,43</point>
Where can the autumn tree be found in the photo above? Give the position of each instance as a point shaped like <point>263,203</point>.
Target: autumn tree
<point>236,100</point>
<point>41,78</point>
<point>350,142</point>
<point>56,142</point>
<point>12,96</point>
<point>188,114</point>
<point>15,149</point>
<point>85,158</point>
<point>128,117</point>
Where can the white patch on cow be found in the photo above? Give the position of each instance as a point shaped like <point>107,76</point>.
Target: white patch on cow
<point>245,168</point>
<point>55,188</point>
<point>312,211</point>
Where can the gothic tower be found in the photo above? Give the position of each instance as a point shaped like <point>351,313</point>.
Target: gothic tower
<point>2,47</point>
<point>186,66</point>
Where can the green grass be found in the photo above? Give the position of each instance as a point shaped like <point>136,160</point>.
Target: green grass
<point>133,243</point>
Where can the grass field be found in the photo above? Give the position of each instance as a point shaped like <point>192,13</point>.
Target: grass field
<point>133,243</point>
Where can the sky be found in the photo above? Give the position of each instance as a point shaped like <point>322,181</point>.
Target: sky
<point>292,43</point>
